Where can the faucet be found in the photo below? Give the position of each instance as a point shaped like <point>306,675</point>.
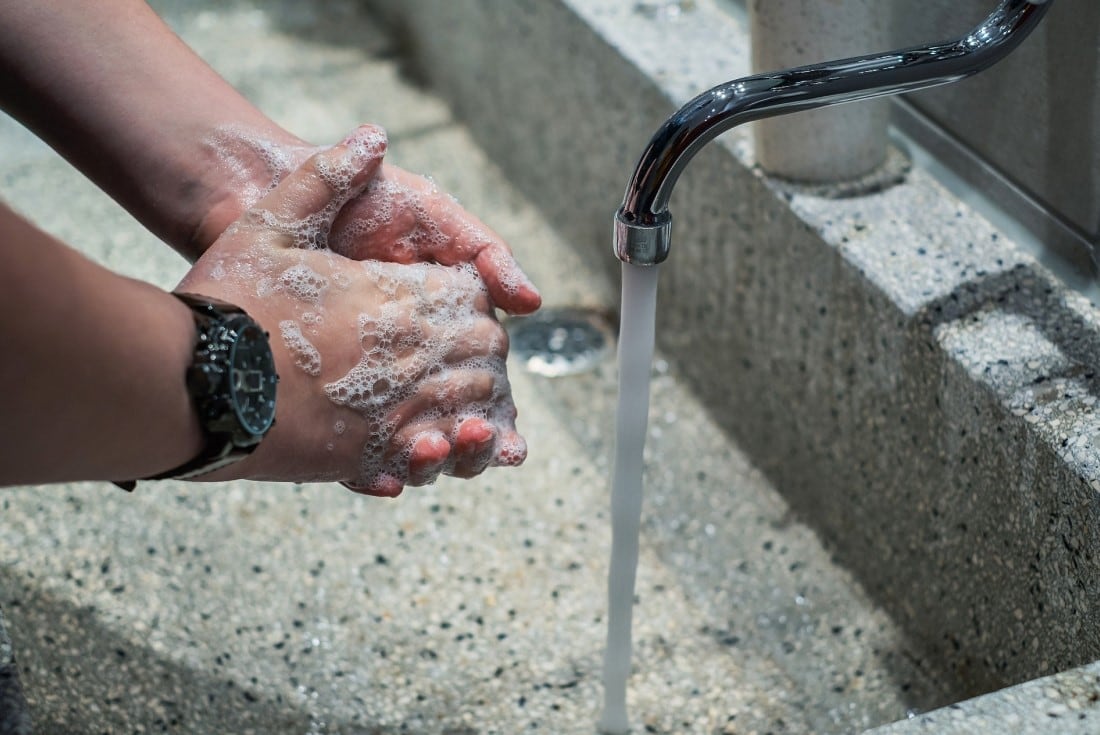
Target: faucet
<point>643,225</point>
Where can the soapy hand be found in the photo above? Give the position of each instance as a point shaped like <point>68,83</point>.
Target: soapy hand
<point>391,373</point>
<point>398,217</point>
<point>404,218</point>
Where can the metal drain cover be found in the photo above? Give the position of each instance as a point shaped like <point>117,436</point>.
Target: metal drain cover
<point>562,341</point>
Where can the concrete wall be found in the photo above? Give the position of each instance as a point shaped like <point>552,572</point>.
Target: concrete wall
<point>1036,117</point>
<point>918,388</point>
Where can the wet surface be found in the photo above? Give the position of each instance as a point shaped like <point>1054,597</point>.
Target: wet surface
<point>561,341</point>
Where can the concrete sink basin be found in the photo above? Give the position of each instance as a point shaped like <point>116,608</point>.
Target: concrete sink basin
<point>871,473</point>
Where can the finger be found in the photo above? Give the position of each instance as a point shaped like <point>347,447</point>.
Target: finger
<point>383,485</point>
<point>305,203</point>
<point>404,218</point>
<point>509,286</point>
<point>474,445</point>
<point>511,450</point>
<point>474,242</point>
<point>428,456</point>
<point>443,395</point>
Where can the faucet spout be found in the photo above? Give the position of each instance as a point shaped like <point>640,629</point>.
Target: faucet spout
<point>642,232</point>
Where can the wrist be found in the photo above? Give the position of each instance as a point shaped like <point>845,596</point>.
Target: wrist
<point>166,431</point>
<point>235,168</point>
<point>231,383</point>
<point>99,363</point>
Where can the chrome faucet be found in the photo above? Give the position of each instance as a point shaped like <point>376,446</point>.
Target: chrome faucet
<point>643,223</point>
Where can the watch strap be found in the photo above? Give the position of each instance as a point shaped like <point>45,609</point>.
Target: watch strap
<point>219,448</point>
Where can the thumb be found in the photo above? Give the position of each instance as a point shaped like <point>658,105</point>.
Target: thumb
<point>305,203</point>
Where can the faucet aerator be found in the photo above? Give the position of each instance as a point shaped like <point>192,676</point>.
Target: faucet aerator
<point>642,244</point>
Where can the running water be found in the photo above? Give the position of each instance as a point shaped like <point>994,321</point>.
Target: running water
<point>639,306</point>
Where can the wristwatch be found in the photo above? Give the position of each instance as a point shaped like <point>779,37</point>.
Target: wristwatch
<point>232,383</point>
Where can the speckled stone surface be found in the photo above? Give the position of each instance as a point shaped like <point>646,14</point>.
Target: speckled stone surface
<point>469,608</point>
<point>1067,703</point>
<point>918,387</point>
<point>14,715</point>
<point>872,477</point>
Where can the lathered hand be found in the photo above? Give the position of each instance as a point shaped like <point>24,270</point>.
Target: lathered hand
<point>397,217</point>
<point>391,373</point>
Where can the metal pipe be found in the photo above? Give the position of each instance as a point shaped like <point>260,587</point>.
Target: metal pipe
<point>642,231</point>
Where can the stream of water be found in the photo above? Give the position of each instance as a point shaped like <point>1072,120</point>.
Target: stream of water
<point>636,335</point>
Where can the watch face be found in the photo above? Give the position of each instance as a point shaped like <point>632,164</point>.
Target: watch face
<point>252,378</point>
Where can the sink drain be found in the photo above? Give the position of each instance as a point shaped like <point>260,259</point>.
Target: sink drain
<point>562,341</point>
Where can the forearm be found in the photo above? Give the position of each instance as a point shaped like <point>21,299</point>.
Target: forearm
<point>115,91</point>
<point>93,367</point>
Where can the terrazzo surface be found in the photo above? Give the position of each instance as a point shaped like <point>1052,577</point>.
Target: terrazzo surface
<point>911,371</point>
<point>468,608</point>
<point>1067,703</point>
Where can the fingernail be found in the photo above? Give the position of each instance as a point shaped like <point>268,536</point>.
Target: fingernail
<point>478,433</point>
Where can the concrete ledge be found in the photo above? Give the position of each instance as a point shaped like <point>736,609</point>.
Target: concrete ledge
<point>920,389</point>
<point>1065,703</point>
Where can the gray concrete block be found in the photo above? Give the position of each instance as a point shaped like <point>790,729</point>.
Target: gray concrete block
<point>1065,703</point>
<point>467,607</point>
<point>919,389</point>
<point>871,473</point>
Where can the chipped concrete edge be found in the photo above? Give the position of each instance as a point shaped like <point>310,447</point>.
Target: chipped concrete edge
<point>1066,702</point>
<point>959,449</point>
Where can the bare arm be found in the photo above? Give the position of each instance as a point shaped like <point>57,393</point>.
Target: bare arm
<point>92,368</point>
<point>115,91</point>
<point>108,85</point>
<point>390,374</point>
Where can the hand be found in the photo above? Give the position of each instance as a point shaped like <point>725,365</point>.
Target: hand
<point>398,217</point>
<point>405,218</point>
<point>391,374</point>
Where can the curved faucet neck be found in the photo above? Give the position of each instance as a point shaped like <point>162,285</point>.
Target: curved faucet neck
<point>643,222</point>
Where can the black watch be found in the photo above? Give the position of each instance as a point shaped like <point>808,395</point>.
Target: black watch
<point>232,383</point>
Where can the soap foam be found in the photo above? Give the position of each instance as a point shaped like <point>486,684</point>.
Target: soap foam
<point>397,216</point>
<point>255,165</point>
<point>400,359</point>
<point>402,352</point>
<point>305,354</point>
<point>303,283</point>
<point>237,151</point>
